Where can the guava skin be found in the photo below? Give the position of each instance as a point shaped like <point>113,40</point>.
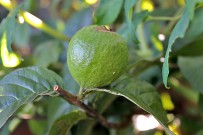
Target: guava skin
<point>96,56</point>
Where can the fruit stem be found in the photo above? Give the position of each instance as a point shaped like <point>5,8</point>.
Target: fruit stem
<point>36,22</point>
<point>80,94</point>
<point>73,99</point>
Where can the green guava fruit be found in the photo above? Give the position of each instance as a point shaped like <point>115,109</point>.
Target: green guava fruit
<point>96,56</point>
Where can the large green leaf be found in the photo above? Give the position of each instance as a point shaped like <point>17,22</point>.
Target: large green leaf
<point>108,11</point>
<point>191,67</point>
<point>144,95</point>
<point>178,32</point>
<point>63,124</point>
<point>23,86</point>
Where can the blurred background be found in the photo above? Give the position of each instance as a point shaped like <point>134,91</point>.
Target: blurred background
<point>146,27</point>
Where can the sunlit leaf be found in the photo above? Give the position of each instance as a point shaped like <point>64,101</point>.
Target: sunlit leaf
<point>91,2</point>
<point>167,102</point>
<point>157,43</point>
<point>9,59</point>
<point>147,5</point>
<point>23,86</point>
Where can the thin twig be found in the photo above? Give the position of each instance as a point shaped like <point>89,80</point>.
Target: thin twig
<point>72,99</point>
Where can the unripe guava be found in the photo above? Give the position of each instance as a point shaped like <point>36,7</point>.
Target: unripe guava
<point>96,56</point>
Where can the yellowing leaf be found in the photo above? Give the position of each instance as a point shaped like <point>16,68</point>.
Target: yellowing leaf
<point>181,2</point>
<point>157,44</point>
<point>91,2</point>
<point>167,102</point>
<point>9,59</point>
<point>147,5</point>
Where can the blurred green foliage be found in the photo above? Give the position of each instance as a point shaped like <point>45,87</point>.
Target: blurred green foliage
<point>150,27</point>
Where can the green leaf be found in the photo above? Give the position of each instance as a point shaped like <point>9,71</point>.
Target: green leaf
<point>201,103</point>
<point>22,34</point>
<point>191,68</point>
<point>127,28</point>
<point>86,126</point>
<point>5,129</point>
<point>8,26</point>
<point>63,124</point>
<point>128,6</point>
<point>56,108</point>
<point>144,95</point>
<point>178,32</point>
<point>197,49</point>
<point>103,102</point>
<point>78,20</point>
<point>37,127</point>
<point>23,86</point>
<point>108,11</point>
<point>47,52</point>
<point>194,31</point>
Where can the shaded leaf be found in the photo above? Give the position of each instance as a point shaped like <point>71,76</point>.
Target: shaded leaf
<point>47,52</point>
<point>78,20</point>
<point>191,68</point>
<point>37,127</point>
<point>63,124</point>
<point>103,102</point>
<point>70,84</point>
<point>22,34</point>
<point>108,11</point>
<point>5,129</point>
<point>201,102</point>
<point>144,95</point>
<point>129,4</point>
<point>178,32</point>
<point>8,26</point>
<point>23,86</point>
<point>127,28</point>
<point>86,126</point>
<point>56,108</point>
<point>197,49</point>
<point>194,31</point>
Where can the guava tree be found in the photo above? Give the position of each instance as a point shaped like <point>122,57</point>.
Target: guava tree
<point>101,67</point>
